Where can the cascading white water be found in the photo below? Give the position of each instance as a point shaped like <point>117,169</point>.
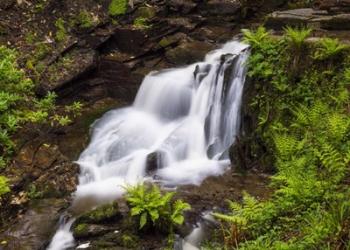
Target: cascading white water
<point>185,118</point>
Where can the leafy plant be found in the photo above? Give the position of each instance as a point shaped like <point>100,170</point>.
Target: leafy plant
<point>329,48</point>
<point>151,206</point>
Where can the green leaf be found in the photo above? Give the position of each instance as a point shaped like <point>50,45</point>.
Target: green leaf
<point>143,220</point>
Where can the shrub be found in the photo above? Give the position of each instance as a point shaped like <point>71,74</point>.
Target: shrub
<point>117,7</point>
<point>151,206</point>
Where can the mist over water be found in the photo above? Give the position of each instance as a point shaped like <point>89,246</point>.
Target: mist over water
<point>177,131</point>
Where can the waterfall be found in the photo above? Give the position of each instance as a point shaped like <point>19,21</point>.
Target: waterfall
<point>177,131</point>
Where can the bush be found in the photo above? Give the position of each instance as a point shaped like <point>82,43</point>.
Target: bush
<point>151,206</point>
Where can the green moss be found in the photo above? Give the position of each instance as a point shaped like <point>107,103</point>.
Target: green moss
<point>129,240</point>
<point>165,42</point>
<point>31,37</point>
<point>61,33</point>
<point>117,7</point>
<point>84,20</point>
<point>141,23</point>
<point>145,12</point>
<point>80,230</point>
<point>105,213</point>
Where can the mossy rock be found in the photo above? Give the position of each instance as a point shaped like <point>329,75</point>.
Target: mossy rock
<point>80,230</point>
<point>124,240</point>
<point>104,214</point>
<point>84,230</point>
<point>145,12</point>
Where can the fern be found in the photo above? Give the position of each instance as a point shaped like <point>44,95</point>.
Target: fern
<point>296,37</point>
<point>329,48</point>
<point>150,205</point>
<point>255,39</point>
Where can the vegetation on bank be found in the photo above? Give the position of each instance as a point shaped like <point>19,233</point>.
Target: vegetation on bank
<point>19,107</point>
<point>303,134</point>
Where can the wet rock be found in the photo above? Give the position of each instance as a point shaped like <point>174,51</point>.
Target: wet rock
<point>103,214</point>
<point>188,52</point>
<point>153,162</point>
<point>238,157</point>
<point>32,229</point>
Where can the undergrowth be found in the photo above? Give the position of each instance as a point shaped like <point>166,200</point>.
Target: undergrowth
<point>303,126</point>
<point>20,107</point>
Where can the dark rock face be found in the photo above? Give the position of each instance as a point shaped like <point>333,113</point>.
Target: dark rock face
<point>313,18</point>
<point>188,52</point>
<point>333,5</point>
<point>80,62</point>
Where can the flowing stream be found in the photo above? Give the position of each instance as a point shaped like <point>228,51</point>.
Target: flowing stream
<point>178,131</point>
